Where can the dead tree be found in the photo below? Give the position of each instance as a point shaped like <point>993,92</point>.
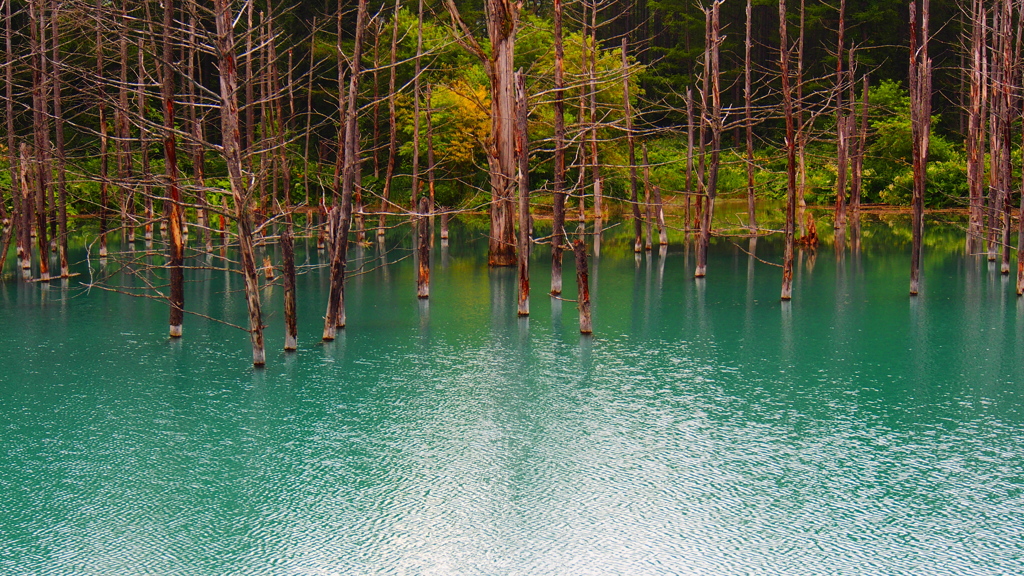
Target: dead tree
<point>748,120</point>
<point>714,122</point>
<point>174,208</point>
<point>423,249</point>
<point>416,108</point>
<point>583,286</point>
<point>920,114</point>
<point>18,217</point>
<point>591,65</point>
<point>787,109</point>
<point>627,112</point>
<point>842,135</point>
<point>291,326</point>
<point>101,100</point>
<point>335,317</point>
<point>233,158</point>
<point>502,26</point>
<point>389,172</point>
<point>41,130</point>
<point>58,122</point>
<point>975,142</point>
<point>558,208</point>
<point>523,155</point>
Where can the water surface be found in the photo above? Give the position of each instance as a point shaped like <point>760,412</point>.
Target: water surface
<point>706,429</point>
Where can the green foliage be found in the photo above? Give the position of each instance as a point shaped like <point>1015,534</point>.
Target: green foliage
<point>889,163</point>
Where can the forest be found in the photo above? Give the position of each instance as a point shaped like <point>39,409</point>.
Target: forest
<point>192,126</point>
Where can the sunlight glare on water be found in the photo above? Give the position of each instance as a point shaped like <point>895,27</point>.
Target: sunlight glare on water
<point>706,429</point>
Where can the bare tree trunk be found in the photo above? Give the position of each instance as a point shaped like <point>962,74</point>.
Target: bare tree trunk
<point>28,207</point>
<point>592,80</point>
<point>335,317</point>
<point>291,326</point>
<point>523,153</point>
<point>648,207</point>
<point>583,286</point>
<point>423,249</point>
<point>233,158</point>
<point>416,94</point>
<point>41,130</point>
<point>627,112</point>
<point>1007,96</point>
<point>787,107</point>
<point>842,136</point>
<point>144,147</point>
<point>18,217</point>
<point>502,26</point>
<point>389,172</point>
<point>858,163</point>
<point>430,147</point>
<point>660,209</point>
<point>802,128</point>
<point>123,135</point>
<point>104,144</point>
<point>715,121</point>
<point>174,216</point>
<point>558,208</point>
<point>748,121</point>
<point>920,113</point>
<point>58,119</point>
<point>975,142</point>
<point>689,156</point>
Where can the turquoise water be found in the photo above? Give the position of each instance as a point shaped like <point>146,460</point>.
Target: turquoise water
<point>705,429</point>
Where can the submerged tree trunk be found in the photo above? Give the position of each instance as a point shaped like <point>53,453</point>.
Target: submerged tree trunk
<point>748,121</point>
<point>423,249</point>
<point>583,286</point>
<point>558,208</point>
<point>291,326</point>
<point>41,130</point>
<point>715,121</point>
<point>842,136</point>
<point>389,172</point>
<point>523,153</point>
<point>335,317</point>
<point>233,158</point>
<point>787,107</point>
<point>631,147</point>
<point>502,27</point>
<point>920,113</point>
<point>58,121</point>
<point>975,142</point>
<point>174,216</point>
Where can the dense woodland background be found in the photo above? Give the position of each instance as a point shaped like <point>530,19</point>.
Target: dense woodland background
<point>236,117</point>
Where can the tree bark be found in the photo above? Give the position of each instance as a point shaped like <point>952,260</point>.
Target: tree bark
<point>41,130</point>
<point>233,158</point>
<point>631,147</point>
<point>787,107</point>
<point>975,142</point>
<point>523,153</point>
<point>389,172</point>
<point>715,121</point>
<point>502,26</point>
<point>920,112</point>
<point>335,317</point>
<point>174,216</point>
<point>583,286</point>
<point>58,121</point>
<point>558,208</point>
<point>423,249</point>
<point>748,120</point>
<point>291,326</point>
